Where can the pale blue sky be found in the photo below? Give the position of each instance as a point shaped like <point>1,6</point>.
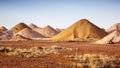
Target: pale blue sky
<point>59,13</point>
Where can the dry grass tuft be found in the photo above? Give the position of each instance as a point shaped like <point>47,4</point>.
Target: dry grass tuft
<point>94,61</point>
<point>31,52</point>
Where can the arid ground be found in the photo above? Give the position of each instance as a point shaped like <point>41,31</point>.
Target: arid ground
<point>63,58</point>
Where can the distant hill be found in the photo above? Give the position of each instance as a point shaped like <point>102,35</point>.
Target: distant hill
<point>2,28</point>
<point>113,37</point>
<point>33,26</point>
<point>82,29</point>
<point>29,33</point>
<point>19,27</point>
<point>113,28</point>
<point>47,31</point>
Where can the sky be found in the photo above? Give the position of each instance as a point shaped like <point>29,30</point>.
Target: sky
<point>59,13</point>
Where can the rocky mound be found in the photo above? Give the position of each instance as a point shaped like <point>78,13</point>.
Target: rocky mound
<point>2,29</point>
<point>29,33</point>
<point>19,27</point>
<point>112,38</point>
<point>33,26</point>
<point>82,29</point>
<point>113,28</point>
<point>47,31</point>
<point>7,35</point>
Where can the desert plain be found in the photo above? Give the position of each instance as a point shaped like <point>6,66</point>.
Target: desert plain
<point>82,45</point>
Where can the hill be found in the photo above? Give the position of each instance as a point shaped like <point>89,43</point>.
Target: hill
<point>33,26</point>
<point>82,29</point>
<point>47,31</point>
<point>113,28</point>
<point>19,27</point>
<point>112,38</point>
<point>29,33</point>
<point>2,29</point>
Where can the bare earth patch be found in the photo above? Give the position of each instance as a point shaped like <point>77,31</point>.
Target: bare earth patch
<point>47,54</point>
